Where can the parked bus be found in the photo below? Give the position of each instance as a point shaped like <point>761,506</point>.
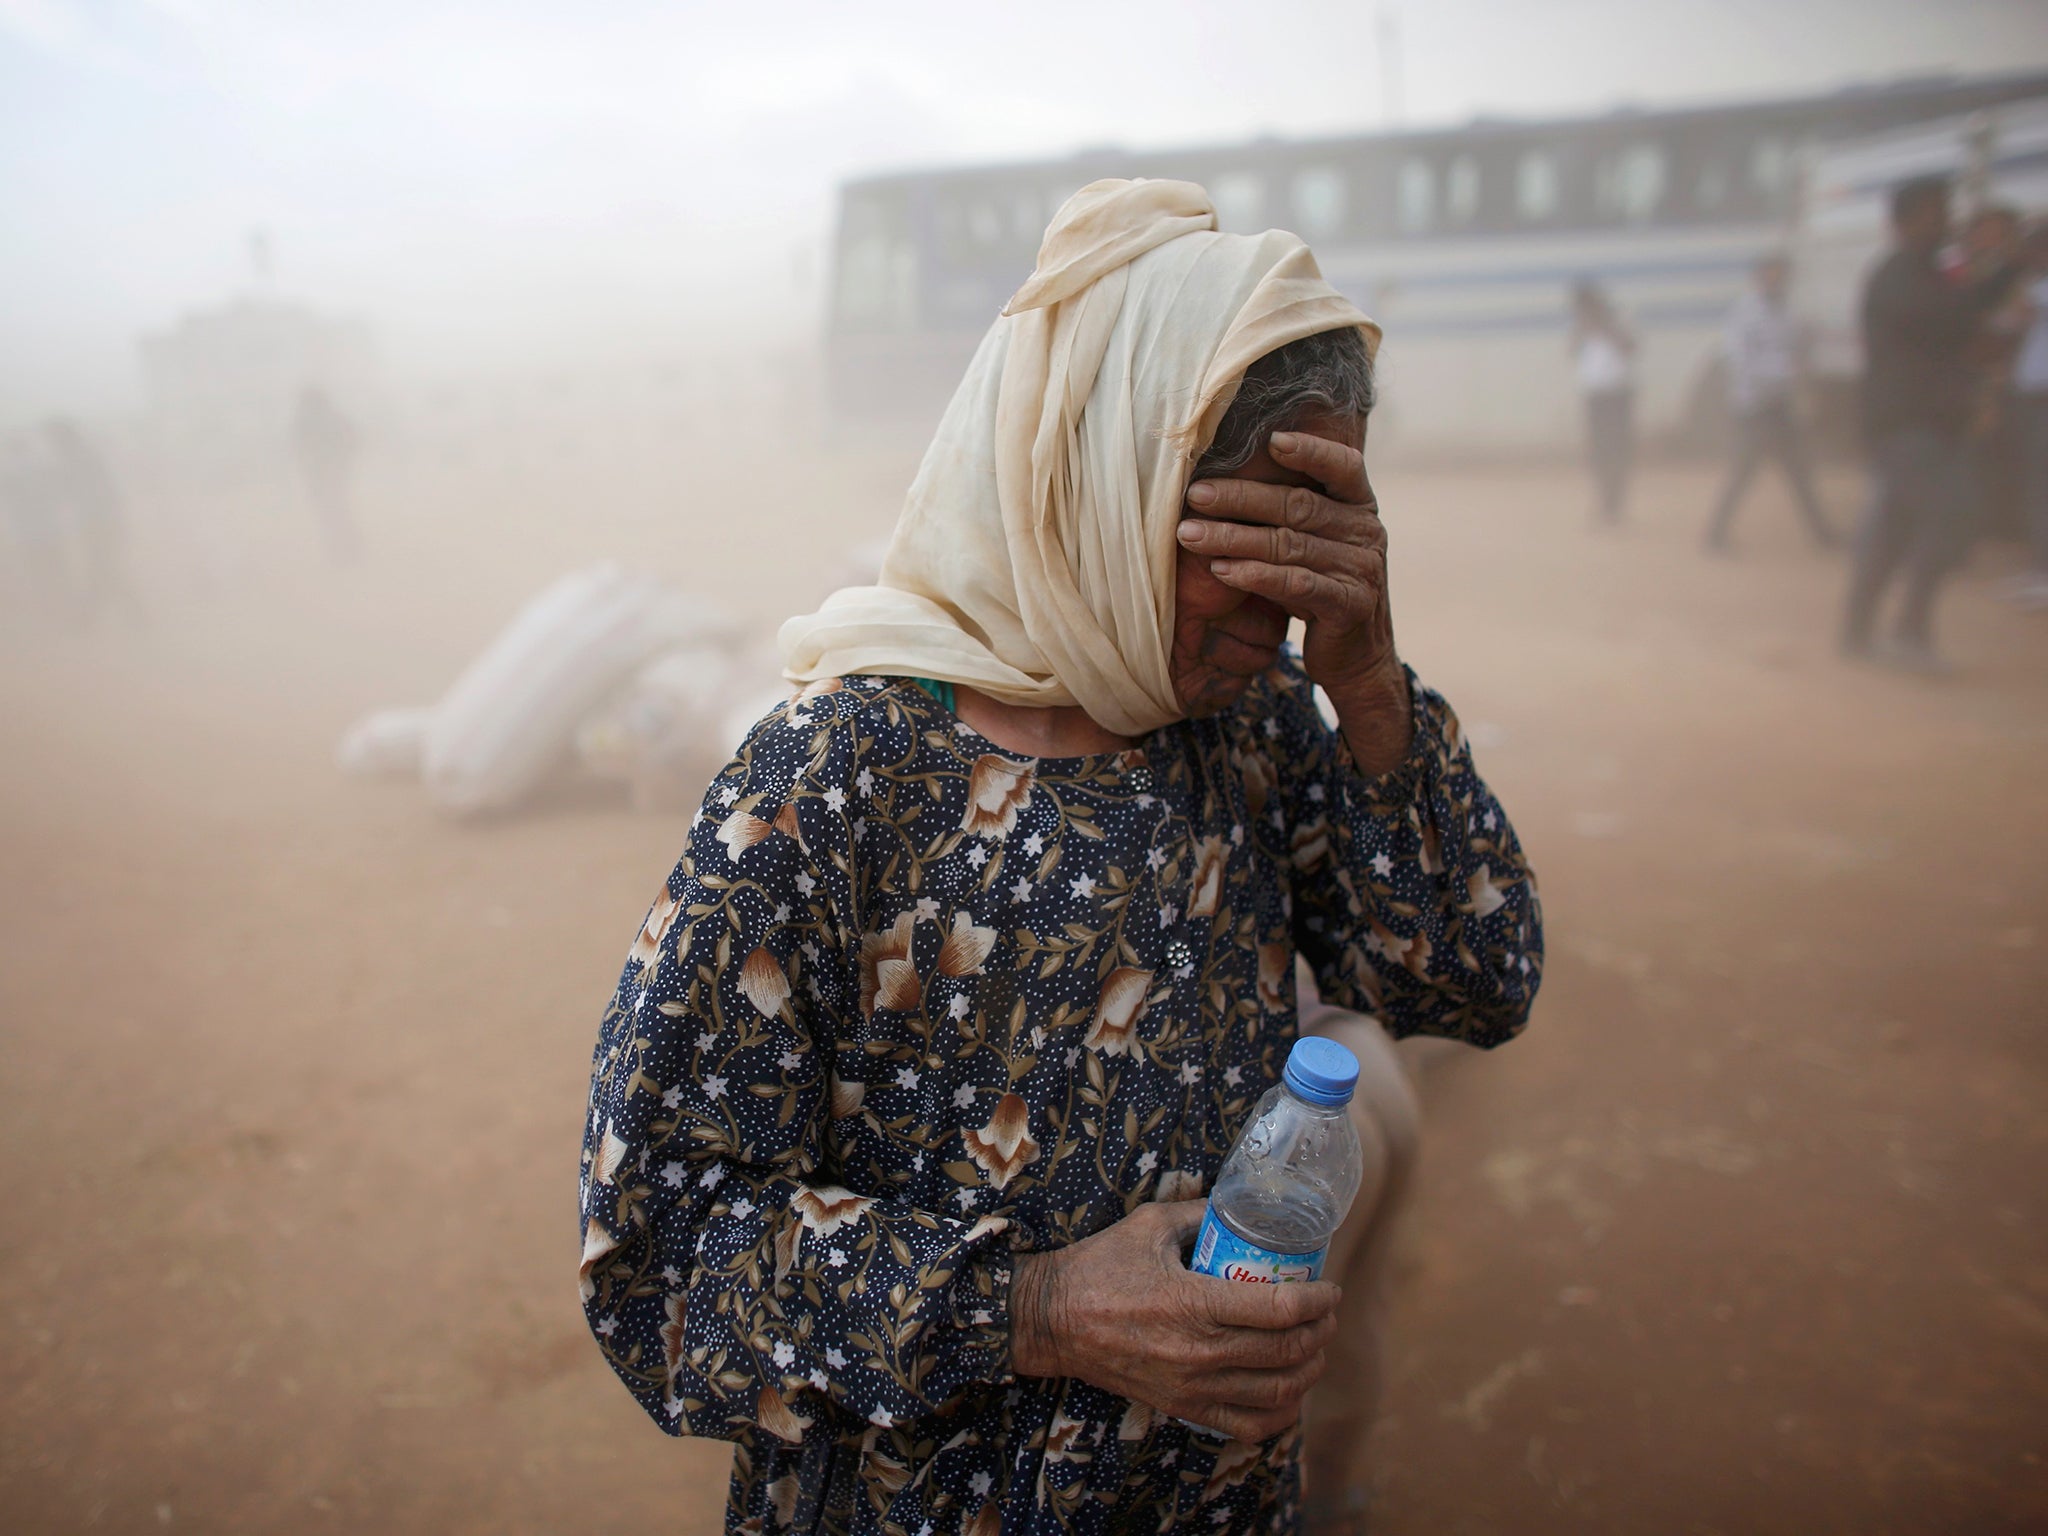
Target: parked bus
<point>1463,242</point>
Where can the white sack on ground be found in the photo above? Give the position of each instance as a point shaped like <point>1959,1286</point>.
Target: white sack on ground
<point>512,715</point>
<point>660,735</point>
<point>744,709</point>
<point>387,744</point>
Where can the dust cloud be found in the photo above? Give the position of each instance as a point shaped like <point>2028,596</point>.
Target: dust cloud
<point>1744,1234</point>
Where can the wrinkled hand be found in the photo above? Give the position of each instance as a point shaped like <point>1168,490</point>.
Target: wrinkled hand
<point>1319,551</point>
<point>1121,1311</point>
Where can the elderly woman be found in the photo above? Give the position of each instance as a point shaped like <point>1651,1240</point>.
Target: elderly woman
<point>983,947</point>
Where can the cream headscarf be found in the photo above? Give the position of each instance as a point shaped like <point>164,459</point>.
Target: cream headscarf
<point>1034,559</point>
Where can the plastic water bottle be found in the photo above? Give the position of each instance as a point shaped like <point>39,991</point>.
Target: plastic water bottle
<point>1290,1180</point>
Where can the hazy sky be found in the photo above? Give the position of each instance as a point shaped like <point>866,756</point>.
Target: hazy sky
<point>495,181</point>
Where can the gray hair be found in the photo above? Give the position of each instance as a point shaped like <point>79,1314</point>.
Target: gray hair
<point>1329,373</point>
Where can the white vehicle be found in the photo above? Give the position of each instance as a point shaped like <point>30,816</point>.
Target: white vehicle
<point>1463,242</point>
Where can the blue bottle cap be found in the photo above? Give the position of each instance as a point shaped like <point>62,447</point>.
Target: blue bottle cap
<point>1321,1071</point>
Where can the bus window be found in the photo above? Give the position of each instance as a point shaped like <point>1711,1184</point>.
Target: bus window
<point>1630,185</point>
<point>1319,201</point>
<point>877,269</point>
<point>1536,185</point>
<point>984,223</point>
<point>1770,166</point>
<point>877,284</point>
<point>1711,188</point>
<point>1240,199</point>
<point>1461,190</point>
<point>1415,197</point>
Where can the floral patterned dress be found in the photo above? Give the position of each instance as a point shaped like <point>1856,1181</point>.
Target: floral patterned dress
<point>910,1005</point>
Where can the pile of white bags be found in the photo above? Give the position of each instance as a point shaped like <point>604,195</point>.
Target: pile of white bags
<point>512,716</point>
<point>385,745</point>
<point>676,723</point>
<point>634,681</point>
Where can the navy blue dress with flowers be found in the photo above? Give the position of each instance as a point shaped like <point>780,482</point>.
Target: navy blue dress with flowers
<point>910,1005</point>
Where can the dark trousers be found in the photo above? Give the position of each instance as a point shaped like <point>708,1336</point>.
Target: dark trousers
<point>1918,522</point>
<point>2032,411</point>
<point>1610,438</point>
<point>1769,432</point>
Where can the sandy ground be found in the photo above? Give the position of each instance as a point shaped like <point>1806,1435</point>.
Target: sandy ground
<point>1745,1235</point>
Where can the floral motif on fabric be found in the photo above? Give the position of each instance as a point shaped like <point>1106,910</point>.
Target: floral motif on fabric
<point>910,1005</point>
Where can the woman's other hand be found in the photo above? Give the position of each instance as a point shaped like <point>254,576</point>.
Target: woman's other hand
<point>1122,1311</point>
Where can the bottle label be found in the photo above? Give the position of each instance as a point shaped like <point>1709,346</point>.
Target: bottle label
<point>1222,1253</point>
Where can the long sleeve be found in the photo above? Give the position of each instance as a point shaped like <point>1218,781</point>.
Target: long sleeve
<point>1412,900</point>
<point>730,1279</point>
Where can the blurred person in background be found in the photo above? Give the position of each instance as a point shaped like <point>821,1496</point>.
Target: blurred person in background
<point>1921,326</point>
<point>40,563</point>
<point>1765,352</point>
<point>83,488</point>
<point>1989,239</point>
<point>325,444</point>
<point>1603,357</point>
<point>2030,412</point>
<point>983,947</point>
<point>1990,243</point>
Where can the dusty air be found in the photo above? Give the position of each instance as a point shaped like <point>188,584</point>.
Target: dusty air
<point>925,773</point>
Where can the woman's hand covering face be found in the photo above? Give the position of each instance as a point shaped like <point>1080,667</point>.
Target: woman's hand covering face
<point>1295,532</point>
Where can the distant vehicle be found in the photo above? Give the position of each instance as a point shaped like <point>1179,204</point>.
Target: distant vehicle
<point>1462,242</point>
<point>1995,155</point>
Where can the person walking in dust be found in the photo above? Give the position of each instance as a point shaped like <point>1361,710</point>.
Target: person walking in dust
<point>38,569</point>
<point>89,499</point>
<point>326,445</point>
<point>1920,390</point>
<point>1764,346</point>
<point>2030,400</point>
<point>1603,356</point>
